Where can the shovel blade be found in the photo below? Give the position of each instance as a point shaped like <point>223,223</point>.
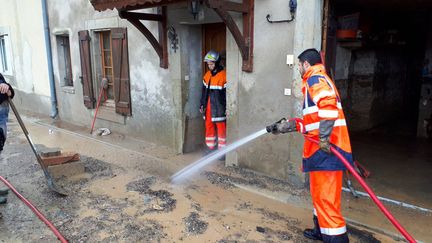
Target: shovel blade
<point>55,188</point>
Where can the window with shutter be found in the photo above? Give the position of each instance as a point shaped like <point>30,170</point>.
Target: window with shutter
<point>120,60</point>
<point>113,63</point>
<point>106,66</point>
<point>86,71</point>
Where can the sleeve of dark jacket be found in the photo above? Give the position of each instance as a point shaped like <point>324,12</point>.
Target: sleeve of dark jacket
<point>203,95</point>
<point>4,97</point>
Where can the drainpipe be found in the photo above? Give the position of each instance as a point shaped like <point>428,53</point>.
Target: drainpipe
<point>54,111</point>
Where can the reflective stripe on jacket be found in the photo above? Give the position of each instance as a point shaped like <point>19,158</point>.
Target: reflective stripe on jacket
<point>322,102</point>
<point>214,88</point>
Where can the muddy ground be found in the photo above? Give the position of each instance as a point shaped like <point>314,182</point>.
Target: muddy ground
<point>117,195</point>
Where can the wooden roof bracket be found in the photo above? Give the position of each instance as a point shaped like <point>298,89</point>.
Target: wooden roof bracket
<point>244,41</point>
<point>160,45</point>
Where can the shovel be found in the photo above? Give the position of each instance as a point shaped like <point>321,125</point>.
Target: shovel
<point>51,184</point>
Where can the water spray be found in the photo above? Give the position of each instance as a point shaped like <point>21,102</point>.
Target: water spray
<point>198,165</point>
<point>193,168</point>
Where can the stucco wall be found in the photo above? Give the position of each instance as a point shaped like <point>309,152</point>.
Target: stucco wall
<point>30,68</point>
<point>257,99</point>
<point>160,96</point>
<point>154,90</point>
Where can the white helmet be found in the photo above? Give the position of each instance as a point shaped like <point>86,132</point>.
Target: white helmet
<point>212,56</point>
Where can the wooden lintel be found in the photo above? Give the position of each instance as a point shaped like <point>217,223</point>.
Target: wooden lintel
<point>244,41</point>
<point>229,6</point>
<point>140,16</point>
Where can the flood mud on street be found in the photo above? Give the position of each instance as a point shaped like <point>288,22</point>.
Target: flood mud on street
<point>121,196</point>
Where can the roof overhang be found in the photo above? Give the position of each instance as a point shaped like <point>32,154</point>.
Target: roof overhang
<point>221,7</point>
<point>102,5</point>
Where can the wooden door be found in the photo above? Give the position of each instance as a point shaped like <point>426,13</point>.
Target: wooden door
<point>214,38</point>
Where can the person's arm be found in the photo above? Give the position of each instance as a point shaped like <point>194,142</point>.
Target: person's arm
<point>326,101</point>
<point>203,97</point>
<point>11,91</point>
<point>7,89</point>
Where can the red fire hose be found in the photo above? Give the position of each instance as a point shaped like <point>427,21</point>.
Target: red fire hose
<point>392,219</point>
<point>36,211</point>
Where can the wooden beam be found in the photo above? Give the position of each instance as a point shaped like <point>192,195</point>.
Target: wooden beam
<point>140,16</point>
<point>244,41</point>
<point>248,34</point>
<point>232,26</point>
<point>160,46</point>
<point>153,5</point>
<point>148,35</point>
<point>163,33</point>
<point>228,5</point>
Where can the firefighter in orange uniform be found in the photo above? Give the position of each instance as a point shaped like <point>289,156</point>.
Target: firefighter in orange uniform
<point>323,119</point>
<point>213,102</point>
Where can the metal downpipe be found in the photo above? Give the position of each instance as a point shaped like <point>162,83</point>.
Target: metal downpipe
<point>54,110</point>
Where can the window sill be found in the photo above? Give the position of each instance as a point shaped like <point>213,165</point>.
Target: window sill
<point>68,89</point>
<point>109,114</point>
<point>8,74</point>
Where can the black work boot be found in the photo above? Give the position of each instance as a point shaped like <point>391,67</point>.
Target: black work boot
<point>343,238</point>
<point>315,233</point>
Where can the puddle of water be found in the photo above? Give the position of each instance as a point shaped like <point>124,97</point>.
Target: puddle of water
<point>201,163</point>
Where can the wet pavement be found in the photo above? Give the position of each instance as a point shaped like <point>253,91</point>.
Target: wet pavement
<point>120,192</point>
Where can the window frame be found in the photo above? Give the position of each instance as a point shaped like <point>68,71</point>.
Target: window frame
<point>5,53</point>
<point>107,66</point>
<point>64,59</point>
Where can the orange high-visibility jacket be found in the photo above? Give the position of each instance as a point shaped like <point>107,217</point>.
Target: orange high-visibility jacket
<point>322,102</point>
<point>214,89</point>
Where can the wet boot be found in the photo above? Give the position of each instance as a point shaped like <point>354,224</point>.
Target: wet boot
<point>315,233</point>
<point>3,200</point>
<point>343,238</point>
<point>209,151</point>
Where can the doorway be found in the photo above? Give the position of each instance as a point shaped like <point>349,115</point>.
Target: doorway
<point>200,40</point>
<point>379,57</point>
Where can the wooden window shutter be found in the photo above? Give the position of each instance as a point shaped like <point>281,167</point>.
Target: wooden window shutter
<point>122,95</point>
<point>86,71</point>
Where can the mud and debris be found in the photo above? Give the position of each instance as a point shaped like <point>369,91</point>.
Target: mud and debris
<point>141,185</point>
<point>194,225</point>
<point>159,200</point>
<point>230,176</point>
<point>113,201</point>
<point>96,168</point>
<point>362,236</point>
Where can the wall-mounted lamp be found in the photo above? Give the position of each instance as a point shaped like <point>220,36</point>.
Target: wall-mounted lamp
<point>293,8</point>
<point>172,36</point>
<point>194,7</point>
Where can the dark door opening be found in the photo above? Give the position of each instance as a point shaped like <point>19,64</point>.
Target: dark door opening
<point>201,39</point>
<point>379,55</point>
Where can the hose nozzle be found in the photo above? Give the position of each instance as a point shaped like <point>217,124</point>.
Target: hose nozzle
<point>273,127</point>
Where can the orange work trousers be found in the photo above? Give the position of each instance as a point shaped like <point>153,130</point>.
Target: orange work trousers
<point>214,131</point>
<point>326,190</point>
